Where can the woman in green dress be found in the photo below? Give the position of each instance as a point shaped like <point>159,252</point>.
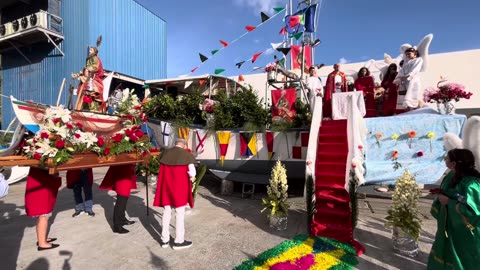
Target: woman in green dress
<point>457,210</point>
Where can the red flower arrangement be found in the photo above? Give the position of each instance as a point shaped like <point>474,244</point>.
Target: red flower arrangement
<point>446,92</point>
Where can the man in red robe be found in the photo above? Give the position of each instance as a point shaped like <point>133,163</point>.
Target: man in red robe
<point>40,196</point>
<point>122,179</point>
<point>336,83</point>
<point>174,190</point>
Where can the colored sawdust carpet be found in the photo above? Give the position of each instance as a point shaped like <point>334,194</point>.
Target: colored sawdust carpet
<point>304,252</point>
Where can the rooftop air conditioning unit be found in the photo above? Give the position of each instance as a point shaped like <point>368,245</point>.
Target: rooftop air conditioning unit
<point>38,19</point>
<point>15,26</point>
<point>5,29</point>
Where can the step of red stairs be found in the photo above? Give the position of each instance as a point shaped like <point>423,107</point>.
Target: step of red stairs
<point>324,156</point>
<point>331,194</point>
<point>332,178</point>
<point>332,129</point>
<point>333,208</point>
<point>330,167</point>
<point>332,138</point>
<point>332,147</point>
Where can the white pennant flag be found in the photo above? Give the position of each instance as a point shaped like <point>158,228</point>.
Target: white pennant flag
<point>166,132</point>
<point>276,45</point>
<point>200,140</point>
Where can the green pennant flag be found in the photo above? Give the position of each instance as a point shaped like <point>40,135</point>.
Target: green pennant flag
<point>278,9</point>
<point>282,62</point>
<point>214,52</point>
<point>296,35</point>
<point>219,70</point>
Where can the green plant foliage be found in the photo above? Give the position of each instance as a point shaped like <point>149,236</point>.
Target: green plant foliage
<point>161,107</point>
<point>187,111</point>
<point>200,174</point>
<point>151,167</point>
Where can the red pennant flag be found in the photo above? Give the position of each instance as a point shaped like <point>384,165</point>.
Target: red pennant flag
<point>193,70</point>
<point>283,31</point>
<point>250,28</point>
<point>255,56</point>
<point>224,43</point>
<point>240,78</point>
<point>201,82</point>
<point>269,136</point>
<point>294,21</point>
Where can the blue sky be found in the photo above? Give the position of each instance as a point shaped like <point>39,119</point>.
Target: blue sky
<point>350,30</point>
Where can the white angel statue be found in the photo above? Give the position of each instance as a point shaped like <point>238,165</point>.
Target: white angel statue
<point>471,139</point>
<point>415,60</point>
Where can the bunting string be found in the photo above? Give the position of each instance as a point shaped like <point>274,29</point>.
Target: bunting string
<point>264,21</point>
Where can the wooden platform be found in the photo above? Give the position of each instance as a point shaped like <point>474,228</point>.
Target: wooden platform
<point>80,161</point>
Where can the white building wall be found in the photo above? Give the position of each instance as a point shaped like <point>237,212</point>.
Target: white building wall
<point>460,67</point>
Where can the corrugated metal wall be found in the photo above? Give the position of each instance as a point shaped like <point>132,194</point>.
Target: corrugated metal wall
<point>134,43</point>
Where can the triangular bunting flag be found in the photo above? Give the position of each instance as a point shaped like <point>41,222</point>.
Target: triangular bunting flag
<point>296,35</point>
<point>276,45</point>
<point>283,31</point>
<point>183,133</point>
<point>284,51</point>
<point>203,58</point>
<point>270,136</point>
<point>240,78</point>
<point>278,9</point>
<point>194,69</point>
<point>201,82</point>
<point>223,139</point>
<point>250,28</point>
<point>201,137</point>
<point>239,64</point>
<point>219,70</point>
<point>224,43</point>
<point>214,52</point>
<point>294,20</point>
<point>282,62</point>
<point>187,84</point>
<point>264,16</point>
<point>255,56</point>
<point>248,144</point>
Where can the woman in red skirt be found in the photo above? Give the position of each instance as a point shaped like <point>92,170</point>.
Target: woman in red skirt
<point>122,179</point>
<point>40,197</point>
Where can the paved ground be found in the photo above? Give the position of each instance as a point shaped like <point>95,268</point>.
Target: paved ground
<point>226,230</point>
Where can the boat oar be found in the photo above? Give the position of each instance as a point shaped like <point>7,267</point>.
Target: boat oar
<point>60,92</point>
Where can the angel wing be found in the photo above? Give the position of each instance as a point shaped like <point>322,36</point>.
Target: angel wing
<point>422,49</point>
<point>471,139</point>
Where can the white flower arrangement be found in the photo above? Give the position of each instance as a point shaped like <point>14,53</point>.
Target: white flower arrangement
<point>404,210</point>
<point>277,191</point>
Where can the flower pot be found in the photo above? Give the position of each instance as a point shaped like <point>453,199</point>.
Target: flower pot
<point>210,119</point>
<point>278,222</point>
<point>446,107</point>
<point>271,76</point>
<point>152,181</point>
<point>404,243</point>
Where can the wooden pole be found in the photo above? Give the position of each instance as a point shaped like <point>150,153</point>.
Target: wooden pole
<point>61,91</point>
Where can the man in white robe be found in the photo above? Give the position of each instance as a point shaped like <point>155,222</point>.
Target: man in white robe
<point>315,89</point>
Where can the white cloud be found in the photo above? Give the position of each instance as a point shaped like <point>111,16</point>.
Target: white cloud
<point>261,5</point>
<point>256,41</point>
<point>343,60</point>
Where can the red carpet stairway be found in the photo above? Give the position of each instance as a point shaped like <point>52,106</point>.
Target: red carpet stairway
<point>332,218</point>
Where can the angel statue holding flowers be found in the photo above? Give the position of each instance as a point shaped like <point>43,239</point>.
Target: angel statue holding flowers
<point>415,60</point>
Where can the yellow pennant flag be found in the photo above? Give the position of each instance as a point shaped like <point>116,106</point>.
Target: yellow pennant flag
<point>183,133</point>
<point>223,139</point>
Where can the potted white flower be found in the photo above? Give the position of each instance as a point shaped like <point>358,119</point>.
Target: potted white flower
<point>276,202</point>
<point>403,215</point>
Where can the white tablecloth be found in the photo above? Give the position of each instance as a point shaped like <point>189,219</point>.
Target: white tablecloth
<point>339,104</point>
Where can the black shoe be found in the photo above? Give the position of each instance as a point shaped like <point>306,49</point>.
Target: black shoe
<point>128,222</point>
<point>45,248</point>
<point>91,213</point>
<point>77,212</point>
<point>185,244</point>
<point>49,240</point>
<point>164,244</point>
<point>120,230</point>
